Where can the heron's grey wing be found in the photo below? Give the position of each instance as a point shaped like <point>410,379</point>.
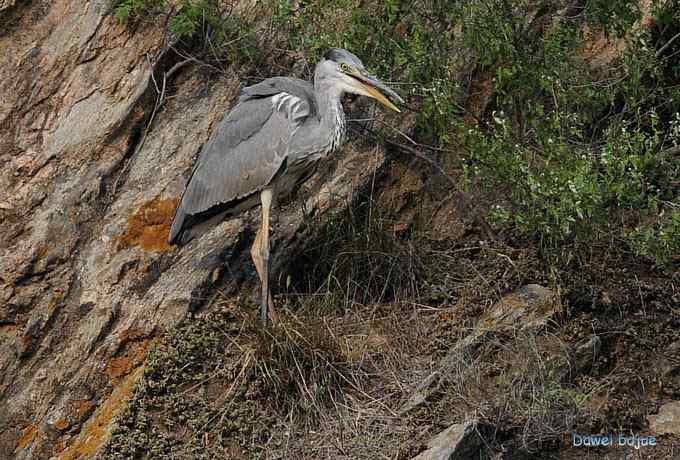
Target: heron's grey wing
<point>241,157</point>
<point>272,86</point>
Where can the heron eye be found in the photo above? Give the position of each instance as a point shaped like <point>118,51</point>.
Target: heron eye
<point>344,67</point>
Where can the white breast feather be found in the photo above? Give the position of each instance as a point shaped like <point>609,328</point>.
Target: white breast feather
<point>338,135</point>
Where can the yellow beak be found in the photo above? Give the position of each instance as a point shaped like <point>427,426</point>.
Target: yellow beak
<point>372,87</point>
<point>374,93</point>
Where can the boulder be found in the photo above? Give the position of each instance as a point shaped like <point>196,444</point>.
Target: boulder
<point>458,442</point>
<point>667,421</point>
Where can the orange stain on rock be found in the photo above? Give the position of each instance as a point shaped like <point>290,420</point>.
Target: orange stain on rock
<point>121,366</point>
<point>149,226</point>
<point>83,408</point>
<point>136,343</point>
<point>95,433</point>
<point>61,424</point>
<point>124,371</point>
<point>27,436</point>
<point>118,367</point>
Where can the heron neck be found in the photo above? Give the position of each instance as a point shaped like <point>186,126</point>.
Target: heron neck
<point>331,116</point>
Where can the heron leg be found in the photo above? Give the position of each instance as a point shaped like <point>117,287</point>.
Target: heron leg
<point>260,254</point>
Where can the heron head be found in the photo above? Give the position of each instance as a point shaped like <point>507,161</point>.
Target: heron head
<point>348,73</point>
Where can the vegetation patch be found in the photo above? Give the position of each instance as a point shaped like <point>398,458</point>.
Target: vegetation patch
<point>213,33</point>
<point>357,259</point>
<point>579,153</point>
<point>221,384</point>
<point>514,383</point>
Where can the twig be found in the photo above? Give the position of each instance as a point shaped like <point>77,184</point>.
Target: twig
<point>175,68</point>
<point>668,43</point>
<point>411,141</point>
<point>670,152</point>
<point>198,61</point>
<point>161,96</point>
<point>157,105</point>
<point>227,401</point>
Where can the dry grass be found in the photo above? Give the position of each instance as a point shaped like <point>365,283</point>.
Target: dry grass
<point>356,336</point>
<point>517,384</point>
<point>222,383</point>
<point>356,259</point>
<point>383,346</point>
<point>328,380</point>
<point>305,364</point>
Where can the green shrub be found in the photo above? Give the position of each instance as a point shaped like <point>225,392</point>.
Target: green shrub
<point>206,29</point>
<point>575,149</point>
<point>132,10</point>
<point>659,242</point>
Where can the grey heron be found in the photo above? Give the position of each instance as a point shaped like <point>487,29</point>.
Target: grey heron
<point>268,144</point>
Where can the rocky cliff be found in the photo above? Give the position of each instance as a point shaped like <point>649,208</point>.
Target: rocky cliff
<point>92,168</point>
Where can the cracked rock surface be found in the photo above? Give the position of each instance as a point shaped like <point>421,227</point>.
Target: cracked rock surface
<point>88,188</point>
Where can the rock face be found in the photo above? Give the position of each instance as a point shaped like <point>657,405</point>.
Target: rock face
<point>88,185</point>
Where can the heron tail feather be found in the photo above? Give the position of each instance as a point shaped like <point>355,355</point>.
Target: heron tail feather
<point>177,228</point>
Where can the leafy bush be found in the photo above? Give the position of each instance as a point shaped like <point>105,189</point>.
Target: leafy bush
<point>580,157</point>
<point>574,149</point>
<point>660,242</point>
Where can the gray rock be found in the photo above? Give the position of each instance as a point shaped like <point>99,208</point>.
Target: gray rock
<point>458,442</point>
<point>667,421</point>
<point>586,353</point>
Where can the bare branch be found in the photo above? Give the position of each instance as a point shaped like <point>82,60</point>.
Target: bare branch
<point>668,43</point>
